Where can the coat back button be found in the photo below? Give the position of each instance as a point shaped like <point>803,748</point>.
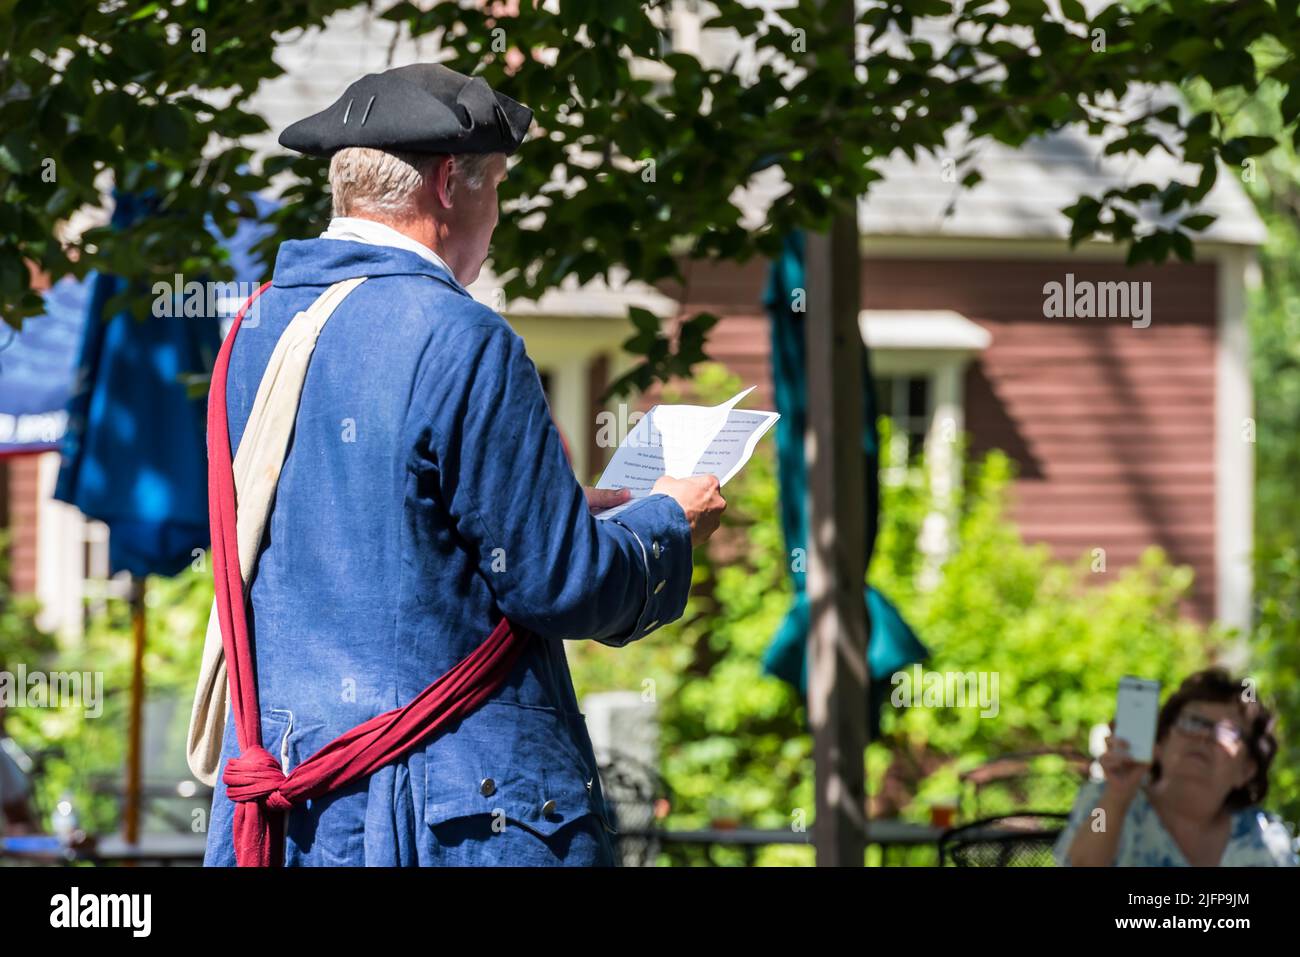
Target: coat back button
<point>487,787</point>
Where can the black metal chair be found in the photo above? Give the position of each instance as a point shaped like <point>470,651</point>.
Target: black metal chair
<point>169,804</point>
<point>632,789</point>
<point>1046,779</point>
<point>1023,839</point>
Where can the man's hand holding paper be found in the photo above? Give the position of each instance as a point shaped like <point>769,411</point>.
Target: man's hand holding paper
<point>673,447</point>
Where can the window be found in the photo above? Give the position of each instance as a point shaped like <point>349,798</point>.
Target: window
<point>919,360</point>
<point>906,400</point>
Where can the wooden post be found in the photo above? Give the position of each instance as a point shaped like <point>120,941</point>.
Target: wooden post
<point>131,812</point>
<point>837,634</point>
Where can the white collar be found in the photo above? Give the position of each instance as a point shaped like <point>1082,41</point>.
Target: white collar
<point>359,230</point>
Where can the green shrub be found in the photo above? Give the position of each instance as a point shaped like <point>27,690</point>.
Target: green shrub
<point>84,755</point>
<point>1056,640</point>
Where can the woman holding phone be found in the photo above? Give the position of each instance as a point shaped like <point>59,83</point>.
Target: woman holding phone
<point>1196,802</point>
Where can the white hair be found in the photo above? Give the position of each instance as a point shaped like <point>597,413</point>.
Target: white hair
<point>383,183</point>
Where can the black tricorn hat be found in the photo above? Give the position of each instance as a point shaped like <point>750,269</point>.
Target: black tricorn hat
<point>423,108</point>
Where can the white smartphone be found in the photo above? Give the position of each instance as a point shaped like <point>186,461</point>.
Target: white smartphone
<point>1136,709</point>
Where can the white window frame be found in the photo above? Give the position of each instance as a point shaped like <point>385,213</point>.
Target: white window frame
<point>563,349</point>
<point>938,346</point>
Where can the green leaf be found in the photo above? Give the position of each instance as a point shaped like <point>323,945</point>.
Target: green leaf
<point>1074,10</point>
<point>1198,222</point>
<point>644,320</point>
<point>170,127</point>
<point>8,161</point>
<point>1290,106</point>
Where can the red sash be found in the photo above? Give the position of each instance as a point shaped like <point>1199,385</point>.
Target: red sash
<point>254,780</point>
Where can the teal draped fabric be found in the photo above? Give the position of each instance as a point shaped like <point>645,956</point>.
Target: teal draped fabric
<point>893,645</point>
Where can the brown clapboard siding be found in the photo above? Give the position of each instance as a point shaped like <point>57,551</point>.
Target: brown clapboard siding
<point>1111,427</point>
<point>21,477</point>
<point>23,481</point>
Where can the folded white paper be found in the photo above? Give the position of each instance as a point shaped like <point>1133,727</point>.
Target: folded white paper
<point>685,440</point>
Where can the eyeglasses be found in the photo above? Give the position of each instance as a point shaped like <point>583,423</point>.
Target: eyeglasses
<point>1224,731</point>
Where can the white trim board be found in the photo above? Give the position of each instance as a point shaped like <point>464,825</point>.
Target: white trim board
<point>930,329</point>
<point>1234,452</point>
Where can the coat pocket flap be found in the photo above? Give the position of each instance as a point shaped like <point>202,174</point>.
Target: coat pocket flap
<point>515,761</point>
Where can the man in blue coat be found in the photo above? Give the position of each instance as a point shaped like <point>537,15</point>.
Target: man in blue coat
<point>426,494</point>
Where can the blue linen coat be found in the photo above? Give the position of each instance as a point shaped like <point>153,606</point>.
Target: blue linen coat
<point>425,494</point>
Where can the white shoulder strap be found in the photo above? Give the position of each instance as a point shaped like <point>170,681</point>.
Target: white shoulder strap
<point>258,461</point>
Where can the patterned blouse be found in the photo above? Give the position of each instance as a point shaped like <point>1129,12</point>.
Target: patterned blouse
<point>1257,839</point>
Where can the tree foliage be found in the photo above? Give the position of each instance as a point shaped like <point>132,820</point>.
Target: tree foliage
<point>1274,326</point>
<point>640,148</point>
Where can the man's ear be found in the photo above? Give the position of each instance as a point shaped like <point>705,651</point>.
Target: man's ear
<point>442,175</point>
